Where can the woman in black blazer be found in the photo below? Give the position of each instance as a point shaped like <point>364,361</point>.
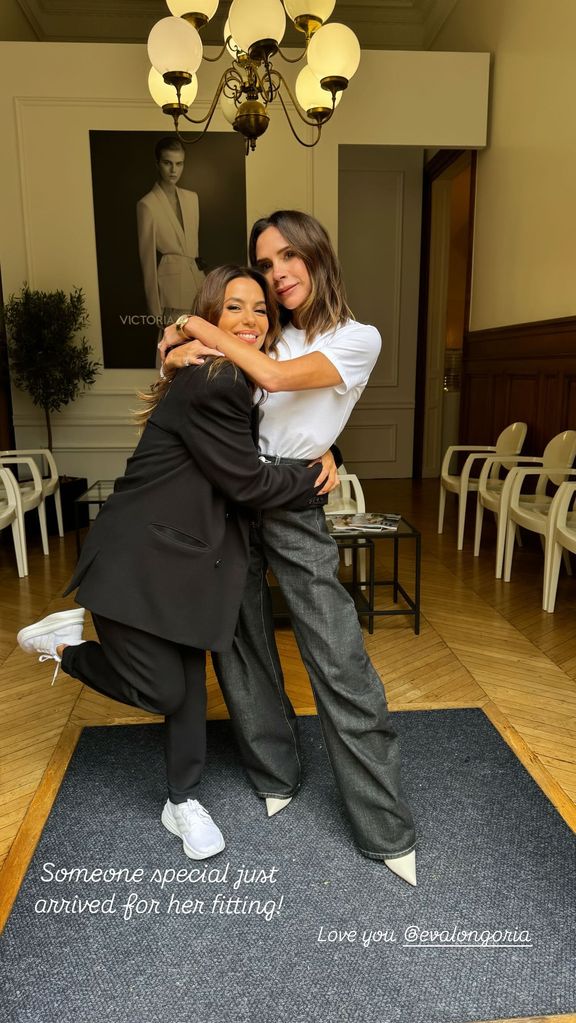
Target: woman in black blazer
<point>164,566</point>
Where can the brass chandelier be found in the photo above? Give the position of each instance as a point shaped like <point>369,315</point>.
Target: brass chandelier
<point>250,83</point>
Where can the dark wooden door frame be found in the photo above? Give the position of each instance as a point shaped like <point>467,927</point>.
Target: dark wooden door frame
<point>434,169</point>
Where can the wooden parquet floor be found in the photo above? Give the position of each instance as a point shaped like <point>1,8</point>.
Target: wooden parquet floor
<point>483,643</point>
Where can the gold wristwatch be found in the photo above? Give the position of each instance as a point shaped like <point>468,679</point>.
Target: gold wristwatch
<point>180,323</point>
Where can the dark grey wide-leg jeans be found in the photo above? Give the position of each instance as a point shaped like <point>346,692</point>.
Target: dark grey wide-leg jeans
<point>361,743</point>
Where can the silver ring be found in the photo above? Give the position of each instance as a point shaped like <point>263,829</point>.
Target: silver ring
<point>186,361</point>
<point>159,345</point>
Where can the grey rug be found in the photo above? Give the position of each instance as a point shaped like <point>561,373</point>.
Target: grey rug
<point>290,924</point>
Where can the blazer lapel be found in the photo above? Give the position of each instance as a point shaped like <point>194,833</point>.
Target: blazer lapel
<point>170,214</point>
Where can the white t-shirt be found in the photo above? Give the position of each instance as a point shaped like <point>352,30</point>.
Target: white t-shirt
<point>304,424</point>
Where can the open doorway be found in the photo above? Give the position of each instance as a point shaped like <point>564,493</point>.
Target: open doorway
<point>448,205</point>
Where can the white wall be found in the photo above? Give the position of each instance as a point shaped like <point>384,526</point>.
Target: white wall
<point>47,236</point>
<point>524,252</point>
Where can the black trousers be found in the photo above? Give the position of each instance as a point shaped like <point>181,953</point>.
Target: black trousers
<point>158,676</point>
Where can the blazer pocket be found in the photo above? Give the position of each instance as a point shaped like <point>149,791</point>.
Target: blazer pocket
<point>176,536</point>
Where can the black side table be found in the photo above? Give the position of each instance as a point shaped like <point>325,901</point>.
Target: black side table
<point>97,493</point>
<point>363,590</point>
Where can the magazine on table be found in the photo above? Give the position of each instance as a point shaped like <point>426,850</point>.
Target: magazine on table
<point>363,522</point>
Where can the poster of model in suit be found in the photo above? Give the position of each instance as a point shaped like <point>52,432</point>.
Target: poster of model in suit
<point>164,213</point>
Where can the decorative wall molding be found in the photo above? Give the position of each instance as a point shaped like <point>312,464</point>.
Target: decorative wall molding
<point>76,421</point>
<point>119,102</point>
<point>112,392</point>
<point>92,448</point>
<point>524,371</point>
<point>377,404</point>
<point>559,336</point>
<point>397,292</point>
<point>381,447</point>
<point>378,23</point>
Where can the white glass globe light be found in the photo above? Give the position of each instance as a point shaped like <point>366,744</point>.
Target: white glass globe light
<point>253,20</point>
<point>334,52</point>
<point>162,93</point>
<point>228,108</point>
<point>206,7</point>
<point>319,9</point>
<point>174,45</point>
<point>310,93</point>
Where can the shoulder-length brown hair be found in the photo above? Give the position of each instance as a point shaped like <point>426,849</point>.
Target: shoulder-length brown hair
<point>209,305</point>
<point>326,307</point>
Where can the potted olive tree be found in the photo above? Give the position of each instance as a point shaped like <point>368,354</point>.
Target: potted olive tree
<point>50,359</point>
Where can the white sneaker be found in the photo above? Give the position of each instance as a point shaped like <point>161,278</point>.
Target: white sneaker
<point>44,636</point>
<point>193,824</point>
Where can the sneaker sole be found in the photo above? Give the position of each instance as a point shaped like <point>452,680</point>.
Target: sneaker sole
<point>51,624</point>
<point>193,854</point>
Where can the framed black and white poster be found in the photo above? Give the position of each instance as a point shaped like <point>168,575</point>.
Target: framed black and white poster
<point>164,214</point>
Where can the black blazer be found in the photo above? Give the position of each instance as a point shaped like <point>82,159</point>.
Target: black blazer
<point>168,552</point>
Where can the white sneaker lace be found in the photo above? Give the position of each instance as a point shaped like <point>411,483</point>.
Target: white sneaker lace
<point>49,657</point>
<point>196,808</point>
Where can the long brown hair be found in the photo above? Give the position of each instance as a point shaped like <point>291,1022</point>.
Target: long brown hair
<point>326,307</point>
<point>209,305</point>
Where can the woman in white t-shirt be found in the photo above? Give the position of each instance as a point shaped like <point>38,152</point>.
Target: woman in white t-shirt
<point>323,362</point>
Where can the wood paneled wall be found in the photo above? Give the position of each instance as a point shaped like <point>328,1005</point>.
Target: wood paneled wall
<point>523,372</point>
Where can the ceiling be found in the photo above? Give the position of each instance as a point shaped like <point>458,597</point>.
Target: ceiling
<point>379,24</point>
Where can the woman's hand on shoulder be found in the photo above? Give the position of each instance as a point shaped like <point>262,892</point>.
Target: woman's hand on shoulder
<point>190,353</point>
<point>328,478</point>
<point>171,338</point>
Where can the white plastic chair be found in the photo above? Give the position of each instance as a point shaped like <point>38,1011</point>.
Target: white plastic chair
<point>11,514</point>
<point>31,494</point>
<point>531,510</point>
<point>561,538</point>
<point>509,442</point>
<point>348,499</point>
<point>50,481</point>
<point>494,495</point>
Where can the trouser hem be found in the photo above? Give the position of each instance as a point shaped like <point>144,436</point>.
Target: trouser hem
<point>67,661</point>
<point>386,856</point>
<point>182,797</point>
<point>277,795</point>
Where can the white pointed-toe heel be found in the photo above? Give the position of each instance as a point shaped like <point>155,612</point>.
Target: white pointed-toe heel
<point>404,867</point>
<point>274,804</point>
